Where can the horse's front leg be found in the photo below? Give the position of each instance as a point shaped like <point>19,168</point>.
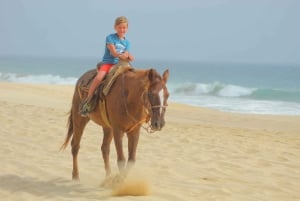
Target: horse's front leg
<point>133,139</point>
<point>118,139</point>
<point>105,148</point>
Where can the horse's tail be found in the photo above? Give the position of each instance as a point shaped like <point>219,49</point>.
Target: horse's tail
<point>70,132</point>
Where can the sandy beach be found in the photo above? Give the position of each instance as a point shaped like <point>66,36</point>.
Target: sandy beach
<point>201,154</point>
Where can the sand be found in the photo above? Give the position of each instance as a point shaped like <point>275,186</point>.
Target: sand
<point>201,154</point>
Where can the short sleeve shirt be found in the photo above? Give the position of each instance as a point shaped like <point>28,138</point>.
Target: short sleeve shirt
<point>121,46</point>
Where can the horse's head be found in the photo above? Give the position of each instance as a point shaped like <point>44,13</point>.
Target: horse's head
<point>158,96</point>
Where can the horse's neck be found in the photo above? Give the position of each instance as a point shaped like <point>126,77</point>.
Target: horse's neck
<point>138,80</point>
<point>136,83</point>
<point>137,104</point>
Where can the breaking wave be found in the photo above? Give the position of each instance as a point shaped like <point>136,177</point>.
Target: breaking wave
<point>37,79</point>
<point>229,90</point>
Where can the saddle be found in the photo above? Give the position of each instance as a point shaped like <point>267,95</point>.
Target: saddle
<point>104,87</point>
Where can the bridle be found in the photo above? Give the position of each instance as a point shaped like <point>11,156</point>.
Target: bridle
<point>147,107</point>
<point>149,127</point>
<point>164,105</point>
<point>159,106</point>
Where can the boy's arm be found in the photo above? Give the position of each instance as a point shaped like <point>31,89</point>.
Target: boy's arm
<point>112,50</point>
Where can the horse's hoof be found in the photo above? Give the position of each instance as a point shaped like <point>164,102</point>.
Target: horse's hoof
<point>119,178</point>
<point>113,181</point>
<point>75,178</point>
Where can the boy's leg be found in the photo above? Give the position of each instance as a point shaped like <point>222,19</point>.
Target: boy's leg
<point>95,83</point>
<point>86,106</point>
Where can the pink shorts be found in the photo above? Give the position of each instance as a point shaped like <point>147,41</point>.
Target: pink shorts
<point>105,67</point>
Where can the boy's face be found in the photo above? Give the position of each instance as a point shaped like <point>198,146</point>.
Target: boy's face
<point>121,29</point>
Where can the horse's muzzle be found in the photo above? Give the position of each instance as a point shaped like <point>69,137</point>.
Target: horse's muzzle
<point>157,125</point>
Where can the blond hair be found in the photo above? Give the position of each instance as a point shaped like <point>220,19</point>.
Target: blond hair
<point>120,20</point>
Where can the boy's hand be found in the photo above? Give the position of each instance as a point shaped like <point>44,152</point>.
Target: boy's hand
<point>126,56</point>
<point>130,57</point>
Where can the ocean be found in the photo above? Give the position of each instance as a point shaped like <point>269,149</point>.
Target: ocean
<point>230,87</point>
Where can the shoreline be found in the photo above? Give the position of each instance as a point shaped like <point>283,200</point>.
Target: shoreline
<point>70,86</point>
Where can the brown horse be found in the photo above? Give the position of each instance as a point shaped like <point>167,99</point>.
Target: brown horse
<point>135,97</point>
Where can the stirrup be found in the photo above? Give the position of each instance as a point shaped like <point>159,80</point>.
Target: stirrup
<point>85,108</point>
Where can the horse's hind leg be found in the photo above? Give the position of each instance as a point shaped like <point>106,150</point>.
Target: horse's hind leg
<point>79,125</point>
<point>105,148</point>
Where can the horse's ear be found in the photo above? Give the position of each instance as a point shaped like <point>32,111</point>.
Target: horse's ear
<point>151,74</point>
<point>166,75</point>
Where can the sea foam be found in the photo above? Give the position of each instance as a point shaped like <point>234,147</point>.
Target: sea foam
<point>216,89</point>
<point>37,79</point>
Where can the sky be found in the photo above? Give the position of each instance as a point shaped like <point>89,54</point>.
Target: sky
<point>247,31</point>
